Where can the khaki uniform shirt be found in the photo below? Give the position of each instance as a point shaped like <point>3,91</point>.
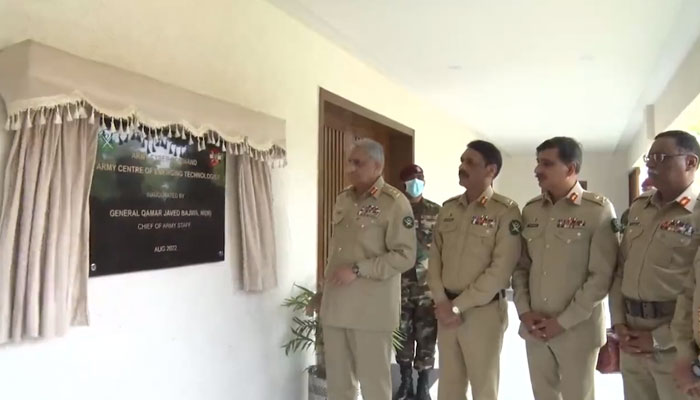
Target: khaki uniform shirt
<point>656,254</point>
<point>376,231</point>
<point>571,250</point>
<point>475,249</point>
<point>685,327</point>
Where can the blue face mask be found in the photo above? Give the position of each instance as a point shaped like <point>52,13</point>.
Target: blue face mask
<point>414,188</point>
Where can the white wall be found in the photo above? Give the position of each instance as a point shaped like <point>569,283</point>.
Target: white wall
<point>606,174</point>
<point>680,91</point>
<point>186,333</point>
<point>677,107</point>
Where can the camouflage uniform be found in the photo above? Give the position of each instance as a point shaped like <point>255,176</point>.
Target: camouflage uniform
<point>418,321</point>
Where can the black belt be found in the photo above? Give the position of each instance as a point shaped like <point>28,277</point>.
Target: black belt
<point>453,295</point>
<point>649,309</point>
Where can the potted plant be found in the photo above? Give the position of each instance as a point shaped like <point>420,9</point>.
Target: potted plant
<point>307,334</point>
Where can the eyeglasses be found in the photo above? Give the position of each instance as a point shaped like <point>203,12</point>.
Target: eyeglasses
<point>658,158</point>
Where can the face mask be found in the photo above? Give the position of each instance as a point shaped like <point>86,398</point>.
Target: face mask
<point>414,187</point>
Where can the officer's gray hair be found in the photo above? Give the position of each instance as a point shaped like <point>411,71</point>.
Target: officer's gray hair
<point>373,149</point>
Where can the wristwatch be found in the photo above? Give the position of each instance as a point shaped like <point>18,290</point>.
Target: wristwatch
<point>455,310</point>
<point>695,367</point>
<point>356,269</point>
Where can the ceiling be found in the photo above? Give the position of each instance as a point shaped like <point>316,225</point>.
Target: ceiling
<point>519,71</point>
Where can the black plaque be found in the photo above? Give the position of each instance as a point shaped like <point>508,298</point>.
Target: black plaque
<point>156,202</point>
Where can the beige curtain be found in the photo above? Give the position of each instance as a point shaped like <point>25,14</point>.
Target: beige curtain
<point>44,225</point>
<point>253,183</point>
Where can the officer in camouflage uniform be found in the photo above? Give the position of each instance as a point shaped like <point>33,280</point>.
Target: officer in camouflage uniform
<point>418,321</point>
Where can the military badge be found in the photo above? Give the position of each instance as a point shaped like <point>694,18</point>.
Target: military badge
<point>369,211</point>
<point>408,222</point>
<point>515,227</point>
<point>616,225</point>
<point>483,220</point>
<point>677,226</point>
<point>571,223</point>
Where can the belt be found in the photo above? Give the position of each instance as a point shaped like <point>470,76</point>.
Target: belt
<point>453,295</point>
<point>649,309</point>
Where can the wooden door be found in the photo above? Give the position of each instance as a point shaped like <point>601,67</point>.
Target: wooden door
<point>341,123</point>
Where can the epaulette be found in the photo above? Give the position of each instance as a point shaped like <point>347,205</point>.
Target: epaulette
<point>451,199</point>
<point>697,205</point>
<point>648,193</point>
<point>391,191</point>
<point>534,199</point>
<point>594,198</point>
<point>504,200</point>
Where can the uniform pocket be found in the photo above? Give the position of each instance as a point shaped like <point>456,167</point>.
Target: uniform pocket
<point>672,249</point>
<point>571,236</point>
<point>482,231</point>
<point>632,232</point>
<point>672,239</point>
<point>337,217</point>
<point>447,226</point>
<point>532,233</point>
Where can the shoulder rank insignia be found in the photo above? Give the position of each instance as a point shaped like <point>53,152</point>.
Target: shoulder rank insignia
<point>684,201</point>
<point>677,226</point>
<point>571,223</point>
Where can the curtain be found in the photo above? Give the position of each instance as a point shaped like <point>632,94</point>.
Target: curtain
<point>44,225</point>
<point>252,180</point>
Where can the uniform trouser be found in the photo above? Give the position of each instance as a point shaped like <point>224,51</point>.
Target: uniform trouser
<point>649,378</point>
<point>419,325</point>
<point>471,353</point>
<point>562,369</point>
<point>354,355</point>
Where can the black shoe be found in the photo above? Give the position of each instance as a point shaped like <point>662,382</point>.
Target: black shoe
<point>405,391</point>
<point>423,386</point>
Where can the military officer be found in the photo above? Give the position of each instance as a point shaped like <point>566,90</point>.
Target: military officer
<point>571,245</point>
<point>373,242</point>
<point>656,254</point>
<point>476,246</point>
<point>417,322</point>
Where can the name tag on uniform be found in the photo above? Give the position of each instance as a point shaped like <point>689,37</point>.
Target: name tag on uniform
<point>571,223</point>
<point>532,225</point>
<point>677,226</point>
<point>483,220</point>
<point>369,211</point>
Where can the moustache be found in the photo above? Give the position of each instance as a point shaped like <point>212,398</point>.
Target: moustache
<point>463,174</point>
<point>539,177</point>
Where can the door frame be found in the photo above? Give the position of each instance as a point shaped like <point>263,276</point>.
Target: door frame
<point>326,96</point>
